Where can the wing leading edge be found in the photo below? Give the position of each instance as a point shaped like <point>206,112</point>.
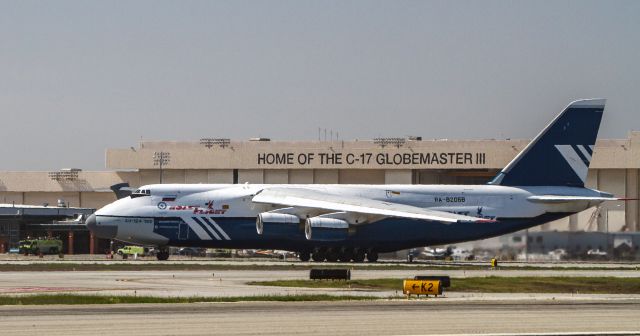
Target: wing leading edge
<point>314,199</point>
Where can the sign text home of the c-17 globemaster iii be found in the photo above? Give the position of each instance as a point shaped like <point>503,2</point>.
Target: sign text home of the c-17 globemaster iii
<point>371,159</point>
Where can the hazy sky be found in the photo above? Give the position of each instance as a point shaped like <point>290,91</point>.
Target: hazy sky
<point>77,77</point>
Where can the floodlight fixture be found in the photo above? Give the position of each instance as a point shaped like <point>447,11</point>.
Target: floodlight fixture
<point>161,159</point>
<point>383,142</point>
<point>210,142</point>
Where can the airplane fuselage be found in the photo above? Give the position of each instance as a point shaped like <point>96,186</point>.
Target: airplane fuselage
<point>224,216</point>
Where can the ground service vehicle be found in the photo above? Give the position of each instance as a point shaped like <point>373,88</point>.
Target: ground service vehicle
<point>37,246</point>
<point>132,250</point>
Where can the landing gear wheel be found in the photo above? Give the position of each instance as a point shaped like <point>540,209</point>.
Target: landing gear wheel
<point>358,256</point>
<point>346,255</point>
<point>318,255</point>
<point>372,256</point>
<point>304,256</point>
<point>332,255</point>
<point>163,254</point>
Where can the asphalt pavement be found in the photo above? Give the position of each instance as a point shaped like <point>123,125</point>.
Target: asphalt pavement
<point>397,317</point>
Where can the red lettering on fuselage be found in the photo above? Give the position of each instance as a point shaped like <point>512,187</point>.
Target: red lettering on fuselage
<point>198,210</point>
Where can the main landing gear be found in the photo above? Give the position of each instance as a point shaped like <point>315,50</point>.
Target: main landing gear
<point>163,253</point>
<point>304,256</point>
<point>320,254</point>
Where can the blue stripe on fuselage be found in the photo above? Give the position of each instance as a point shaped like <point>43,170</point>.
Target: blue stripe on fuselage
<point>390,234</point>
<point>206,228</point>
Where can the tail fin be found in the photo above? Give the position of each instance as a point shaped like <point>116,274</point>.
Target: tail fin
<point>561,153</point>
<point>121,190</point>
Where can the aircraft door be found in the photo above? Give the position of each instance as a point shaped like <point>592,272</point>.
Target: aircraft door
<point>183,231</point>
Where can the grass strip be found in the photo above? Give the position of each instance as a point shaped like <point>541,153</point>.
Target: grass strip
<point>492,284</point>
<point>74,299</point>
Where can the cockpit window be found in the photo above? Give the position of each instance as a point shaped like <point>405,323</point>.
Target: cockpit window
<point>141,193</point>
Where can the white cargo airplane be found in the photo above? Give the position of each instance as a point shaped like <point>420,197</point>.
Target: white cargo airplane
<point>542,183</point>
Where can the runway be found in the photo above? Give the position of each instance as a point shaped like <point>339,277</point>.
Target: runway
<point>234,283</point>
<point>325,318</point>
<point>453,314</point>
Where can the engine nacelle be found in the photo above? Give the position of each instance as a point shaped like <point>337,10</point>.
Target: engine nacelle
<point>326,229</point>
<point>276,224</point>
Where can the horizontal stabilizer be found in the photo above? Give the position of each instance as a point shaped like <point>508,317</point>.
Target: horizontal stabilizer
<point>567,199</point>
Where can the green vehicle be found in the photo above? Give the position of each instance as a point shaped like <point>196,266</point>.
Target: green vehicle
<point>37,246</point>
<point>132,250</point>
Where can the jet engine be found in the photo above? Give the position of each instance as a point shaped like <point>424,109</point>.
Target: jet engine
<point>276,224</point>
<point>324,228</point>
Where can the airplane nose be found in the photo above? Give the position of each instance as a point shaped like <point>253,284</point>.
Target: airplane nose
<point>91,222</point>
<point>101,231</point>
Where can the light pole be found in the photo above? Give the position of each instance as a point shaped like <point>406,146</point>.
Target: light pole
<point>161,159</point>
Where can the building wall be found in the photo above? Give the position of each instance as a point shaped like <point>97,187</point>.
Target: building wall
<point>72,199</point>
<point>10,197</point>
<point>96,200</point>
<point>196,176</point>
<point>403,176</point>
<point>613,213</point>
<point>255,176</point>
<point>220,176</point>
<point>326,176</point>
<point>276,176</point>
<point>361,176</point>
<point>632,214</point>
<point>300,176</point>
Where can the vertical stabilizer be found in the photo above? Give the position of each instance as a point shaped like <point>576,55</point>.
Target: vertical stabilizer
<point>560,155</point>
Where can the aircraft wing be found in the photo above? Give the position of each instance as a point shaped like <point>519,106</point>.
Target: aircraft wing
<point>316,199</point>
